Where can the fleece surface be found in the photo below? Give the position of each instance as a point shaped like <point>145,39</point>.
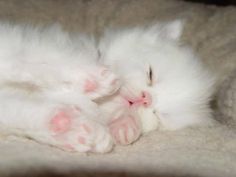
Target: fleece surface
<point>211,31</point>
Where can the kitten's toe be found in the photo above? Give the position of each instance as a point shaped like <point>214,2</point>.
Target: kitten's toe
<point>125,130</point>
<point>102,83</point>
<point>109,81</point>
<point>93,137</point>
<point>104,142</point>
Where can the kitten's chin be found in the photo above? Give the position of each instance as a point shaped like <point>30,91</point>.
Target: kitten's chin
<point>149,120</point>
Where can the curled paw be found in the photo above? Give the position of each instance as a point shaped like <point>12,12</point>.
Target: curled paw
<point>125,130</point>
<point>101,83</point>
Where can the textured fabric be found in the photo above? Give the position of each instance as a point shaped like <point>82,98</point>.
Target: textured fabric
<point>211,31</point>
<point>226,101</point>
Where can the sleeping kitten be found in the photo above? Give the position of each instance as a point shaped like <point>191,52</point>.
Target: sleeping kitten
<point>163,82</point>
<point>54,90</point>
<point>48,83</point>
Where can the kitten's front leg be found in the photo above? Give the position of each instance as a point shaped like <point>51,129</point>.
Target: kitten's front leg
<point>64,125</point>
<point>123,122</point>
<point>100,82</point>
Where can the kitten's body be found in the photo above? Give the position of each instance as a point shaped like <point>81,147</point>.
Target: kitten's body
<point>48,81</point>
<point>163,85</point>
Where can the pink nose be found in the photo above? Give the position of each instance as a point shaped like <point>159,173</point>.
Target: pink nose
<point>146,99</point>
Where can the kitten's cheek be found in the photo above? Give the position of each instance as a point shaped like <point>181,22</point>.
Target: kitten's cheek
<point>149,120</point>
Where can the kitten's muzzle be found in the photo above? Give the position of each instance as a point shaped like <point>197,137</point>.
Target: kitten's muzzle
<point>144,100</point>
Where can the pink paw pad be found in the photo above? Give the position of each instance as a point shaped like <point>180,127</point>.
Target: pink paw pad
<point>84,131</point>
<point>81,140</point>
<point>124,130</point>
<point>90,86</point>
<point>60,123</point>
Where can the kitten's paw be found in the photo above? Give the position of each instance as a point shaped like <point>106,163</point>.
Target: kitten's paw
<point>73,132</point>
<point>101,83</point>
<point>125,130</point>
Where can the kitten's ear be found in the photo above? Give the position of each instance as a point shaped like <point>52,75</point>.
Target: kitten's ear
<point>172,30</point>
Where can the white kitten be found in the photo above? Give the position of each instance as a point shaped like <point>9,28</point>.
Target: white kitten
<point>161,75</point>
<point>50,81</point>
<point>47,82</point>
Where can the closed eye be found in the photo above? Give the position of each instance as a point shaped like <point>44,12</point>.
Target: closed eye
<point>150,76</point>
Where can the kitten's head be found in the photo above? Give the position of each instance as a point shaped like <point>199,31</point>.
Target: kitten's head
<point>151,60</point>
